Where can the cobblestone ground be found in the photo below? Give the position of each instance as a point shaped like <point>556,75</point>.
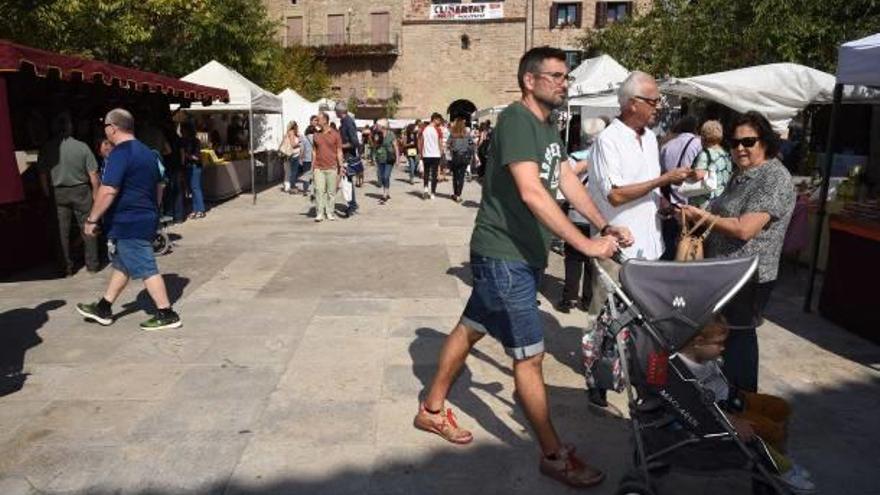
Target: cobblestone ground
<point>304,349</point>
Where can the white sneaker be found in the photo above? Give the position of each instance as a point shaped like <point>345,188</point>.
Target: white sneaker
<point>319,219</point>
<point>432,195</point>
<point>331,217</point>
<point>797,483</point>
<point>286,187</point>
<point>425,194</point>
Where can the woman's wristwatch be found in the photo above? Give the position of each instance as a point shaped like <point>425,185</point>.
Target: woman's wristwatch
<point>604,230</point>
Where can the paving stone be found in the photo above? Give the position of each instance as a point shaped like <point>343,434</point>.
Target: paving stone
<point>333,381</point>
<point>298,419</point>
<point>348,326</point>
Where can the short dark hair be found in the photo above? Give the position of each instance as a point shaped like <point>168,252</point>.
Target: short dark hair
<point>688,123</point>
<point>435,116</point>
<point>531,62</point>
<point>762,126</point>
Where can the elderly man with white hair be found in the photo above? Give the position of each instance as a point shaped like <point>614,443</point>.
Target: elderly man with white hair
<point>625,182</point>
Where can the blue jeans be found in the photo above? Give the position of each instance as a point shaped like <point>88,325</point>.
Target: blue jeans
<point>384,172</point>
<point>503,303</point>
<point>306,166</point>
<point>294,170</point>
<point>195,186</point>
<point>412,166</point>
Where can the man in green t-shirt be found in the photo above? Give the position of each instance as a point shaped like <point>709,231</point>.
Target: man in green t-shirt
<point>509,248</point>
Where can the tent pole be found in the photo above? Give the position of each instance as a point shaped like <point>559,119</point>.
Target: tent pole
<point>567,127</point>
<point>253,165</point>
<point>823,195</point>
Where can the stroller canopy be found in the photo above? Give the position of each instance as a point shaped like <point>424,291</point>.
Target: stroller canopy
<point>678,299</point>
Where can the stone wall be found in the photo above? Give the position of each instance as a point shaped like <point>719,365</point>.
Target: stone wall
<point>433,68</point>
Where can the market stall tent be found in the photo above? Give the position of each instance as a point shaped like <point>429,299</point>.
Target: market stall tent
<point>858,64</point>
<point>594,88</point>
<point>244,96</point>
<point>778,91</point>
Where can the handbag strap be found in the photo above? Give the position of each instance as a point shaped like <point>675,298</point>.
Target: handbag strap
<point>688,232</point>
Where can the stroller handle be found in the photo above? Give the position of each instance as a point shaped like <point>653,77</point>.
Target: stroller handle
<point>619,258</point>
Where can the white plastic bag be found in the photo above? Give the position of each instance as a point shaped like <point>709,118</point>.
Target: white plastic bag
<point>701,187</point>
<point>345,185</point>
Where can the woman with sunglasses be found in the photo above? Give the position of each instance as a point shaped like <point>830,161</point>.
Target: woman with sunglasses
<point>752,216</point>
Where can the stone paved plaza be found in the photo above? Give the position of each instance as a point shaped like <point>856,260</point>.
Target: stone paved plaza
<point>304,349</point>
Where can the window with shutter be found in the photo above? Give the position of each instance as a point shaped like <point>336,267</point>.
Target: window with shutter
<point>601,14</point>
<point>554,14</point>
<point>578,15</point>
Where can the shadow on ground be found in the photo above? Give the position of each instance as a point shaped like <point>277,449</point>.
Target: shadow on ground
<point>174,284</point>
<point>18,333</point>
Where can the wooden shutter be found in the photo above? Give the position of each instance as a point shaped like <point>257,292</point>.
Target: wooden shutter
<point>336,29</point>
<point>554,14</point>
<point>601,14</point>
<point>294,31</point>
<point>380,23</point>
<point>629,10</point>
<point>578,14</point>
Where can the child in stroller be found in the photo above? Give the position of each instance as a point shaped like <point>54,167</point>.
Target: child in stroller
<point>751,414</point>
<point>684,441</point>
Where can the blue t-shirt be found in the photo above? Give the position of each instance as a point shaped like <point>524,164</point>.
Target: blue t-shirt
<point>132,169</point>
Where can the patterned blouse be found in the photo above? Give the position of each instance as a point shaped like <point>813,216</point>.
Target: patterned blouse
<point>766,188</point>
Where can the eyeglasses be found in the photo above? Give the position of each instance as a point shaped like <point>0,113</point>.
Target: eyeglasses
<point>650,101</point>
<point>557,77</point>
<point>747,142</point>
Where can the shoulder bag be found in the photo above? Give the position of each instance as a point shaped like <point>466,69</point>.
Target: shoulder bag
<point>690,245</point>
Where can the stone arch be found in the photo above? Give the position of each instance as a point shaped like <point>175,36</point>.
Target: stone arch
<point>461,108</point>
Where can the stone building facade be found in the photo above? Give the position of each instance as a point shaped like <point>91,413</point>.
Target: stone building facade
<point>421,55</point>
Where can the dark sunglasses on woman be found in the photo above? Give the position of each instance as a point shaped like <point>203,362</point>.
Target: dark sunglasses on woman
<point>747,142</point>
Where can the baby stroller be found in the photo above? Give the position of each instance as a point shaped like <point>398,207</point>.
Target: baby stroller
<point>684,443</point>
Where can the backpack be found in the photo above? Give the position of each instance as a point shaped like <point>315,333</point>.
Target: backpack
<point>384,153</point>
<point>461,149</point>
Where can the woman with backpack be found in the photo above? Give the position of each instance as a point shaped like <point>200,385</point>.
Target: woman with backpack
<point>461,149</point>
<point>385,155</point>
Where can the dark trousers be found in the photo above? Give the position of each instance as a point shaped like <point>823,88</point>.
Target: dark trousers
<point>744,314</point>
<point>576,267</point>
<point>172,198</point>
<point>458,171</point>
<point>432,165</point>
<point>75,203</point>
<point>671,230</point>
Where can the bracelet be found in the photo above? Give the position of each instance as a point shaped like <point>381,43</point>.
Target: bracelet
<point>90,222</point>
<point>603,230</point>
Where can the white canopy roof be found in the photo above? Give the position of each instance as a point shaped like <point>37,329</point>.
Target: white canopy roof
<point>243,94</point>
<point>858,62</point>
<point>597,75</point>
<point>778,91</point>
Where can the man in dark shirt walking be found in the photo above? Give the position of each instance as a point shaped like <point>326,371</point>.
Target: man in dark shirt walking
<point>128,202</point>
<point>350,150</point>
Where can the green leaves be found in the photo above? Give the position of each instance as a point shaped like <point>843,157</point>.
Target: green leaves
<point>297,68</point>
<point>686,38</point>
<point>173,37</point>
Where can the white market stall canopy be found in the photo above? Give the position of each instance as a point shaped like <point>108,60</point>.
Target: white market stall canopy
<point>244,96</point>
<point>778,91</point>
<point>601,74</point>
<point>859,62</point>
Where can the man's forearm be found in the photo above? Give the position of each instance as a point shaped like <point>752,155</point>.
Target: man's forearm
<point>104,199</point>
<point>620,195</point>
<point>577,196</point>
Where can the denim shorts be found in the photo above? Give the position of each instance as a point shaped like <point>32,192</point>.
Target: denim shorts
<point>504,304</point>
<point>134,257</point>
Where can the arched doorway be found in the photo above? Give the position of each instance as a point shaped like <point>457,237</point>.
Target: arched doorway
<point>461,108</point>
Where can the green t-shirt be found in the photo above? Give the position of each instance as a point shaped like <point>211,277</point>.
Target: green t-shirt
<point>505,227</point>
<point>68,162</point>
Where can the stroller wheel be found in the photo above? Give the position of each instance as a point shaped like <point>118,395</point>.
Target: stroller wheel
<point>161,244</point>
<point>634,483</point>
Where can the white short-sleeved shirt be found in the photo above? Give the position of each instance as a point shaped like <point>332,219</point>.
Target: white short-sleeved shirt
<point>619,159</point>
<point>430,142</point>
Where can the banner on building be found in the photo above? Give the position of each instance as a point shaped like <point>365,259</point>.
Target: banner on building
<point>468,11</point>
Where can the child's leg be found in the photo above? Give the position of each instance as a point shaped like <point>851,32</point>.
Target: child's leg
<point>769,406</point>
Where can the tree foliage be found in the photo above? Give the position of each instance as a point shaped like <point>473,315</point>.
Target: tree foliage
<point>173,37</point>
<point>296,67</point>
<point>691,37</point>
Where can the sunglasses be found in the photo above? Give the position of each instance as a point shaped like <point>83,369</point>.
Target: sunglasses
<point>747,142</point>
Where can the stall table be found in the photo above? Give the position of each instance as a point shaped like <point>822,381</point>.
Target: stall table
<point>849,293</point>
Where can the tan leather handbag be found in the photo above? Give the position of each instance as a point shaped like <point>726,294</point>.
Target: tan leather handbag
<point>690,245</point>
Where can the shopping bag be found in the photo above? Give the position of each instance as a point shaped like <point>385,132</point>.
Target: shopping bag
<point>345,185</point>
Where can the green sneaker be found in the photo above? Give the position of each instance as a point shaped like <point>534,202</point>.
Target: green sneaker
<point>161,321</point>
<point>93,312</point>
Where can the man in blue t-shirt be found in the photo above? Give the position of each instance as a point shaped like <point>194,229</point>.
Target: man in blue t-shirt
<point>128,201</point>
